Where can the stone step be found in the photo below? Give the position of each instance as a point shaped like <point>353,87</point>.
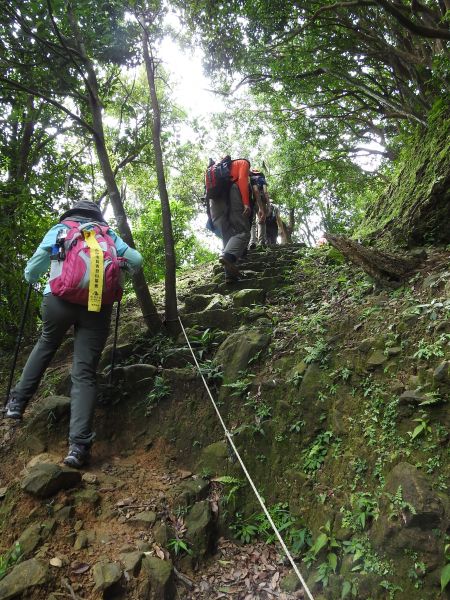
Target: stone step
<point>214,319</point>
<point>199,302</point>
<point>263,283</point>
<point>207,289</point>
<point>268,260</point>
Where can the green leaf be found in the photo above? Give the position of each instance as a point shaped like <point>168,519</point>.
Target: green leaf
<point>417,431</point>
<point>319,543</point>
<point>346,589</point>
<point>332,560</point>
<point>445,577</point>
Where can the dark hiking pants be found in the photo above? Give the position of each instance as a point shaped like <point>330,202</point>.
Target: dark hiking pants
<point>232,224</point>
<point>91,331</point>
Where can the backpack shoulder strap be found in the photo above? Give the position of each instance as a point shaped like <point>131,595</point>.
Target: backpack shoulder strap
<point>70,224</point>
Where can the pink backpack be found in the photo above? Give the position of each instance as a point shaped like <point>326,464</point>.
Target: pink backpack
<point>69,276</point>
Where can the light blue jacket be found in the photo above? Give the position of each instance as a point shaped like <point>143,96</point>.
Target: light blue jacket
<point>39,263</point>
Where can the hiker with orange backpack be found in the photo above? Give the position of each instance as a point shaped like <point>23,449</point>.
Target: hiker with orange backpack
<point>228,192</point>
<point>261,201</point>
<point>86,259</point>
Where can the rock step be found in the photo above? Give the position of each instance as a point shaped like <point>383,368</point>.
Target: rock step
<point>260,265</point>
<point>215,318</point>
<point>263,283</point>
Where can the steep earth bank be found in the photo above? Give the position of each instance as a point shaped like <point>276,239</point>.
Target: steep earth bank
<point>337,397</point>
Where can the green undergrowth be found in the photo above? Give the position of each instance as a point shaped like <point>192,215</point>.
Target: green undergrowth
<point>342,421</point>
<point>320,423</point>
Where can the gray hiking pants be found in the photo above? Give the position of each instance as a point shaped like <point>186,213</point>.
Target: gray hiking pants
<point>258,231</point>
<point>232,224</point>
<point>91,331</point>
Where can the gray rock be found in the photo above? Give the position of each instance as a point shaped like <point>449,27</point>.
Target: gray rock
<point>189,491</point>
<point>161,534</point>
<point>419,253</point>
<point>34,535</point>
<point>88,497</point>
<point>376,359</point>
<point>198,302</point>
<point>51,416</point>
<point>30,539</point>
<point>179,358</point>
<point>105,575</point>
<point>395,351</point>
<point>411,397</point>
<point>214,458</point>
<point>366,345</point>
<point>44,480</point>
<point>23,577</point>
<point>122,352</point>
<point>144,519</point>
<point>400,528</point>
<point>237,350</point>
<point>136,374</point>
<point>131,562</point>
<point>247,297</point>
<point>199,529</point>
<point>82,541</point>
<point>159,583</point>
<point>441,372</point>
<point>224,319</point>
<point>64,514</point>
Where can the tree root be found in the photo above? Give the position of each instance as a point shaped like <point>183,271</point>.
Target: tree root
<point>386,268</point>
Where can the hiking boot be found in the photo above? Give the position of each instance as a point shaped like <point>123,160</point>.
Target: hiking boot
<point>78,455</point>
<point>252,246</point>
<point>14,408</point>
<point>230,267</point>
<point>231,279</point>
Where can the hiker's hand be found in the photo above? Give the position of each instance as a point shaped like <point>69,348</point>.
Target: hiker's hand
<point>261,216</point>
<point>246,211</point>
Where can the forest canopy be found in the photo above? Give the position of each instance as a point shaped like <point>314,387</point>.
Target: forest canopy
<point>324,96</point>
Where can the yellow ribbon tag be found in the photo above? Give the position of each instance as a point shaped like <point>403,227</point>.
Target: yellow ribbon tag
<point>96,272</point>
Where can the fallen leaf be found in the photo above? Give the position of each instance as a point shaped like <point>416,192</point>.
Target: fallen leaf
<point>81,568</point>
<point>56,562</point>
<point>158,551</point>
<point>274,580</point>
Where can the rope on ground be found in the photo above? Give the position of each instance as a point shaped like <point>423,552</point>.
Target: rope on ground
<point>247,474</point>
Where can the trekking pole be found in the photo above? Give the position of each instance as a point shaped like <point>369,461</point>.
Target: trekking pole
<point>113,354</point>
<point>18,341</point>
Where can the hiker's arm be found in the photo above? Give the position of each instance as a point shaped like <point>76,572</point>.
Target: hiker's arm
<point>132,256</point>
<point>40,261</point>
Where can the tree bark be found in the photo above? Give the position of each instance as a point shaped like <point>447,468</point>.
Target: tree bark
<point>171,308</point>
<point>386,268</point>
<point>144,298</point>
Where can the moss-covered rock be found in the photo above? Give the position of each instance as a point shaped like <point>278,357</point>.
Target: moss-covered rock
<point>238,349</point>
<point>410,513</point>
<point>214,459</point>
<point>247,297</point>
<point>25,576</point>
<point>200,529</point>
<point>416,205</point>
<point>158,583</point>
<point>44,480</point>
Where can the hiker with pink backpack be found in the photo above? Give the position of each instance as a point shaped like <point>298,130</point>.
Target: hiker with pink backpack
<point>86,259</point>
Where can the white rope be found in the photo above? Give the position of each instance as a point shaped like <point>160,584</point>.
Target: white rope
<point>235,450</point>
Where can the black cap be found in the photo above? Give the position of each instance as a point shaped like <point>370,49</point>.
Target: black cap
<point>86,210</point>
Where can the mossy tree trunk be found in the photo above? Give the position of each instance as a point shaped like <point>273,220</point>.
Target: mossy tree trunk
<point>384,267</point>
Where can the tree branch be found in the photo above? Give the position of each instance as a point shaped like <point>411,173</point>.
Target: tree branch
<point>422,30</point>
<point>38,94</point>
